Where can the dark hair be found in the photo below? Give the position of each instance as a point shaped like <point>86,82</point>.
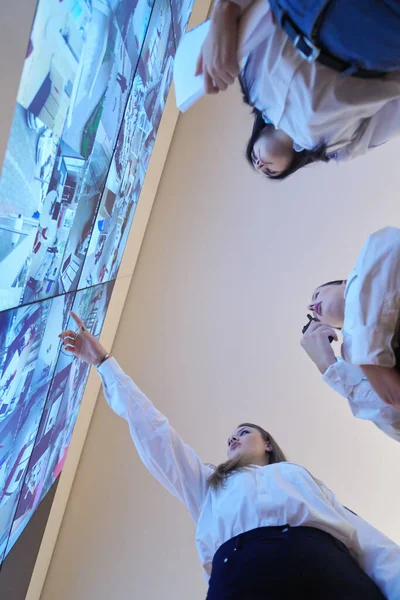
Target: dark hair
<point>335,282</point>
<point>300,159</point>
<point>223,471</point>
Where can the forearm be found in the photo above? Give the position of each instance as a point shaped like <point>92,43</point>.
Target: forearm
<point>349,381</point>
<point>129,402</point>
<point>237,6</point>
<point>385,381</point>
<point>346,380</point>
<point>172,462</point>
<point>377,555</point>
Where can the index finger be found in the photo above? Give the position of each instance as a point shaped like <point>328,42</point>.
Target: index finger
<point>314,325</point>
<point>233,69</point>
<point>325,328</point>
<point>199,64</point>
<point>318,325</point>
<point>77,319</point>
<point>209,86</point>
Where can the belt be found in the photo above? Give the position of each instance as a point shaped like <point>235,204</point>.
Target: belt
<point>311,53</point>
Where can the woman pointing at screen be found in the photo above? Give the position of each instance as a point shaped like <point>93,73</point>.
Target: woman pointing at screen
<point>266,528</point>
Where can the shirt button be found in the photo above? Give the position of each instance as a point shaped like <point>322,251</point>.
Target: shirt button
<point>225,560</point>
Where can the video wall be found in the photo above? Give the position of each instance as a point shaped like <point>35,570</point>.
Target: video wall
<point>93,89</point>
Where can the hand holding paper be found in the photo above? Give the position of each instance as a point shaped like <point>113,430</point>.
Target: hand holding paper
<point>210,47</point>
<point>217,61</point>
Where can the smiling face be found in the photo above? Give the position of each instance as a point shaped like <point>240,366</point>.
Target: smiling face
<point>249,446</point>
<point>327,304</point>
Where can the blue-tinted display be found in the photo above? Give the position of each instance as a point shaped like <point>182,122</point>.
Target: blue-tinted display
<point>92,93</point>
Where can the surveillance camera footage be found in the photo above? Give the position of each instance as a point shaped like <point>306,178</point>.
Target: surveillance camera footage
<point>93,89</point>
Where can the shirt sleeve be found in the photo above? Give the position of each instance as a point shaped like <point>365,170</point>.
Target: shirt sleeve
<point>373,301</point>
<point>350,382</point>
<point>377,555</point>
<point>172,462</point>
<point>345,379</point>
<point>375,131</point>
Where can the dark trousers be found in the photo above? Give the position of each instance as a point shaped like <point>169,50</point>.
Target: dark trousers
<point>288,563</point>
<point>363,32</point>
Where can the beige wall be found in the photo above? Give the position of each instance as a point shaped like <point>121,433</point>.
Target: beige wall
<point>211,332</point>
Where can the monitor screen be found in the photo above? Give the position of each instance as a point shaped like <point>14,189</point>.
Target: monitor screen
<point>93,89</point>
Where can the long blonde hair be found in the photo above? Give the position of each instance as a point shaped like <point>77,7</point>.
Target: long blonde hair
<point>223,471</point>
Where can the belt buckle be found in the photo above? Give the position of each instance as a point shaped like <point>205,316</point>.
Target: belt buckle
<point>314,51</point>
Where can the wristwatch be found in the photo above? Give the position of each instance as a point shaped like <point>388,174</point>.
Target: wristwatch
<point>103,359</point>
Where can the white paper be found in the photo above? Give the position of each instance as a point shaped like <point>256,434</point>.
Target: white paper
<point>189,87</point>
<point>252,30</point>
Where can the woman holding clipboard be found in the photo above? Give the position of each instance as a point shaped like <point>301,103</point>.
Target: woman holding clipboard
<point>318,91</point>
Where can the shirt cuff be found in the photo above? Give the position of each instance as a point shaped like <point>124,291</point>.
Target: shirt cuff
<point>110,370</point>
<point>369,346</point>
<point>343,377</point>
<point>118,388</point>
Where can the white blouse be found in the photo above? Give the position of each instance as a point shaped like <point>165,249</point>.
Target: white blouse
<point>350,382</point>
<point>372,301</point>
<point>278,494</point>
<point>314,104</point>
<point>372,310</point>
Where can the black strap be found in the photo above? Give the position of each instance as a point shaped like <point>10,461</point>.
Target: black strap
<point>311,52</point>
<point>318,22</point>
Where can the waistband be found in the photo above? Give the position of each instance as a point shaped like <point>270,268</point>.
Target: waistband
<point>274,532</point>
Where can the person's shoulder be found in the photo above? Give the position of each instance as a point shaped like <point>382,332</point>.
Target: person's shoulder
<point>385,237</point>
<point>378,245</point>
<point>212,468</point>
<point>389,233</point>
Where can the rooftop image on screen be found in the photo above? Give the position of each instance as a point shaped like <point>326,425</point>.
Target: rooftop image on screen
<point>93,89</point>
<point>28,365</point>
<point>181,11</point>
<point>58,415</point>
<point>133,149</point>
